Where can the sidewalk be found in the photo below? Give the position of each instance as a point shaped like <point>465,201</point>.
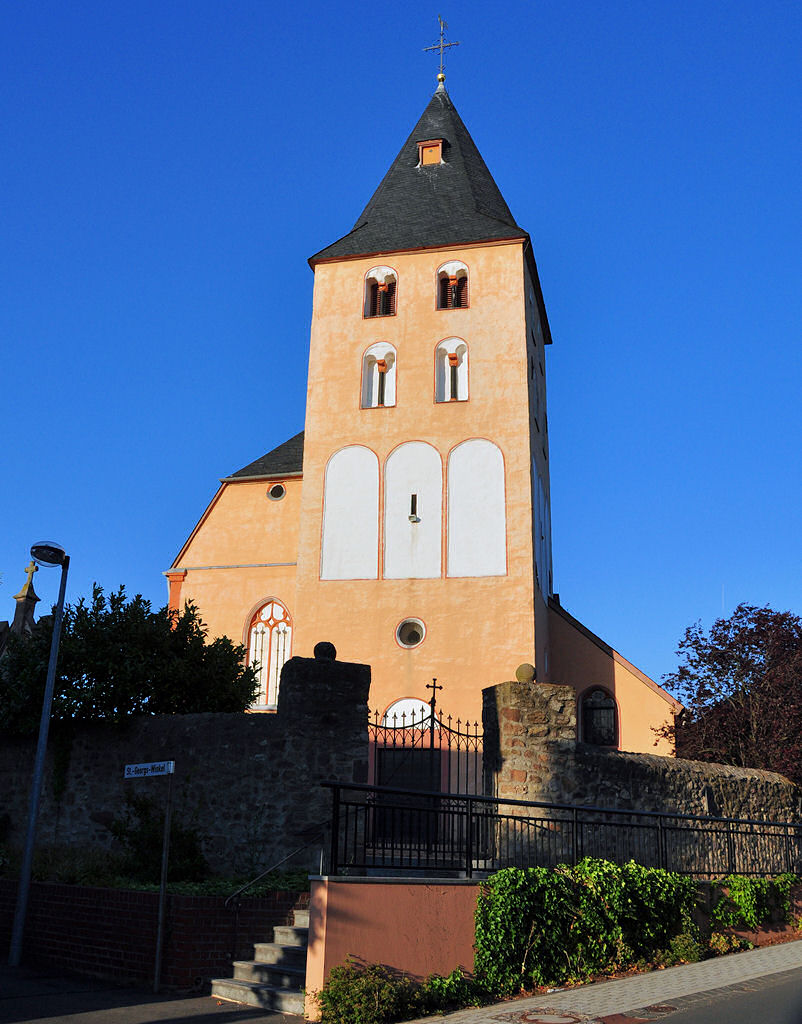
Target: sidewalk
<point>28,995</point>
<point>604,999</point>
<point>35,996</point>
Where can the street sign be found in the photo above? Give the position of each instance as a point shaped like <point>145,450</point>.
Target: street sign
<point>145,771</point>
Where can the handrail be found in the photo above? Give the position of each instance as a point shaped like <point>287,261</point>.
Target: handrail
<point>320,833</point>
<point>362,787</point>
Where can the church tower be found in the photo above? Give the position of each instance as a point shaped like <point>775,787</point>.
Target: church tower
<point>424,544</point>
<point>410,523</point>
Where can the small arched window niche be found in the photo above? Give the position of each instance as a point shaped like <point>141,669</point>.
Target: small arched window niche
<point>380,285</point>
<point>378,376</point>
<point>269,646</point>
<point>452,286</point>
<point>599,718</point>
<point>451,371</point>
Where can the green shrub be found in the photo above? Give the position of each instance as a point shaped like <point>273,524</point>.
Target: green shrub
<point>683,949</point>
<point>543,927</point>
<point>85,865</point>
<point>720,944</point>
<point>458,989</point>
<point>750,902</point>
<point>367,994</point>
<point>140,832</point>
<point>373,994</point>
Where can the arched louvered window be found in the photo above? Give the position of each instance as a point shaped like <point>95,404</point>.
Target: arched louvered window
<point>452,286</point>
<point>378,376</point>
<point>451,371</point>
<point>380,287</point>
<point>599,724</point>
<point>269,646</point>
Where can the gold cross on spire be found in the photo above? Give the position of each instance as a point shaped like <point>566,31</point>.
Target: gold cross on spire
<point>442,45</point>
<point>32,568</point>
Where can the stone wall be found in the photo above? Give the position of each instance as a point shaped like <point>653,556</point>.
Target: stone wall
<point>531,753</point>
<point>250,783</point>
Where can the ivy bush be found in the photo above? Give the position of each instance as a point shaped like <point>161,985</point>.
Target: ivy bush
<point>542,927</point>
<point>750,902</point>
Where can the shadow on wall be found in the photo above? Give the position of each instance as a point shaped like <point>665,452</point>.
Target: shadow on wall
<point>248,783</point>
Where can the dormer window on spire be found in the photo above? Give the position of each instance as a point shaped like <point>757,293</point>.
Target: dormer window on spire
<point>430,152</point>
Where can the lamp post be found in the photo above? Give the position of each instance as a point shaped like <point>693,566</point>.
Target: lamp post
<point>46,553</point>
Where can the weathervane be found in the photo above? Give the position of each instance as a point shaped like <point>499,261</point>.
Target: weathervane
<point>442,45</point>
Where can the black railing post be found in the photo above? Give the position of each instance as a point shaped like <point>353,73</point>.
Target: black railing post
<point>661,844</point>
<point>730,849</point>
<point>789,867</point>
<point>335,830</point>
<point>575,836</point>
<point>469,839</point>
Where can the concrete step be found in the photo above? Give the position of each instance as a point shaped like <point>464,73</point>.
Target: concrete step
<point>279,975</point>
<point>289,935</point>
<point>267,997</point>
<point>275,953</point>
<point>300,918</point>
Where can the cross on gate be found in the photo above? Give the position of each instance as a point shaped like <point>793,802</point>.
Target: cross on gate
<point>434,687</point>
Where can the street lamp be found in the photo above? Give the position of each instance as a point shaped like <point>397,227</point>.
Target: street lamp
<point>45,553</point>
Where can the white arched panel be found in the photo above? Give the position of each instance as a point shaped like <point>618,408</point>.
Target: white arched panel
<point>477,520</point>
<point>413,510</point>
<point>350,543</point>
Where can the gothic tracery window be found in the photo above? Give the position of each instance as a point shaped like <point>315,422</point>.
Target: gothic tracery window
<point>269,646</point>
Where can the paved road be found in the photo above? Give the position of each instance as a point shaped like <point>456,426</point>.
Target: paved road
<point>776,999</point>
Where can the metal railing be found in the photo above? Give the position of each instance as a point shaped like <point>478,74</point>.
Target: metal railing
<point>384,830</point>
<point>315,836</point>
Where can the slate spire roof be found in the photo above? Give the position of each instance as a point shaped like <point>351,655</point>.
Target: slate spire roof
<point>452,203</point>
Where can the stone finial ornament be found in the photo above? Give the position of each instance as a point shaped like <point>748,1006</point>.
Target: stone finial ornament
<point>325,651</point>
<point>526,673</point>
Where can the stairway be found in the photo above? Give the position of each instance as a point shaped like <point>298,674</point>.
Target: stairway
<point>274,979</point>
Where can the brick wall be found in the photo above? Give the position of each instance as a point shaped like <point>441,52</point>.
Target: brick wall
<point>111,933</point>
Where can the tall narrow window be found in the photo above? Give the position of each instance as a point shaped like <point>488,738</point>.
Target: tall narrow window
<point>452,286</point>
<point>599,725</point>
<point>378,376</point>
<point>269,646</point>
<point>451,371</point>
<point>380,286</point>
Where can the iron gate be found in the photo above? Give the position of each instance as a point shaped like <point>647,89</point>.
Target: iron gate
<point>426,752</point>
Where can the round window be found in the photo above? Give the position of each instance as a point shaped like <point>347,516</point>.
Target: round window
<point>276,492</point>
<point>410,632</point>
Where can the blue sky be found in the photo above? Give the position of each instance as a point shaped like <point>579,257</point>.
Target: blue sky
<point>169,166</point>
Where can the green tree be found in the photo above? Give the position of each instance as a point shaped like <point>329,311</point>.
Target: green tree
<point>120,658</point>
<point>741,684</point>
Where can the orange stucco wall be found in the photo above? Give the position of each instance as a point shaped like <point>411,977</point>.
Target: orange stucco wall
<point>583,663</point>
<point>243,551</point>
<point>418,928</point>
<point>478,629</point>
